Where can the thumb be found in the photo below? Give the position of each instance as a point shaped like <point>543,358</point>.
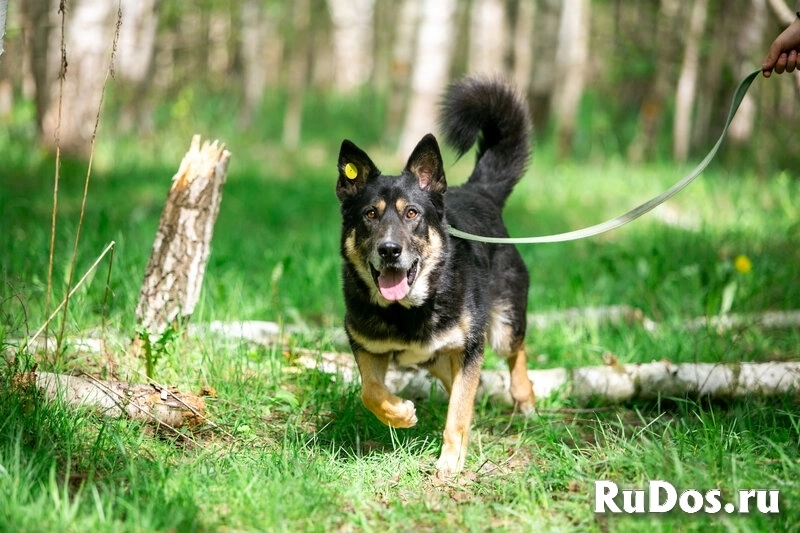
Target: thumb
<point>772,56</point>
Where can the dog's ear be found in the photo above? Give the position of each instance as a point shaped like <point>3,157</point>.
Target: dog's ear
<point>355,167</point>
<point>425,163</point>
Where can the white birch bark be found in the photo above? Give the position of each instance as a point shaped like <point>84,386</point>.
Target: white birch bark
<point>749,44</point>
<point>137,41</point>
<point>353,42</point>
<point>402,61</point>
<point>298,73</point>
<point>571,59</point>
<point>145,403</point>
<point>487,37</point>
<point>89,33</point>
<point>613,384</point>
<point>609,383</point>
<point>174,274</point>
<point>523,43</point>
<point>261,50</point>
<point>429,77</point>
<point>687,82</point>
<point>3,19</point>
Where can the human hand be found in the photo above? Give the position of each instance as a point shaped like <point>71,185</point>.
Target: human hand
<point>784,52</point>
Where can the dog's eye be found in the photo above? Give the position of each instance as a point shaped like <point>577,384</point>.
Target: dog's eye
<point>371,214</point>
<point>412,213</point>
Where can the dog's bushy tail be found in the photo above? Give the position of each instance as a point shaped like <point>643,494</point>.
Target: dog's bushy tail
<point>491,114</point>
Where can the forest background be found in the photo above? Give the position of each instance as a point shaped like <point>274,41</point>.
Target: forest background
<point>640,79</point>
<point>625,96</point>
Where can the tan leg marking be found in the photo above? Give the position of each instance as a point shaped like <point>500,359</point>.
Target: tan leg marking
<point>390,409</point>
<point>521,386</point>
<point>459,416</point>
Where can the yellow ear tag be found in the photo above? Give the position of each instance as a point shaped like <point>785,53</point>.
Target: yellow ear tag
<point>350,171</point>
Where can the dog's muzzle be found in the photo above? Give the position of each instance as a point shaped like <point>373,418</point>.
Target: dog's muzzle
<point>393,279</point>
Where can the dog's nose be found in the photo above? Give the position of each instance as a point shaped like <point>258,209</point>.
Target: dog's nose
<point>389,250</point>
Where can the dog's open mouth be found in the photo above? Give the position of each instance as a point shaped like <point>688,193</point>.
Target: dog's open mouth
<point>395,283</point>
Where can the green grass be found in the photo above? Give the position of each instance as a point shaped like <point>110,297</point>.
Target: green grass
<point>297,451</point>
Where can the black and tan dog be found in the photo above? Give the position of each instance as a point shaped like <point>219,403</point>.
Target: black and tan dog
<point>420,296</point>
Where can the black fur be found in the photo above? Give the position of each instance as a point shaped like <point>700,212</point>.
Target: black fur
<point>411,290</point>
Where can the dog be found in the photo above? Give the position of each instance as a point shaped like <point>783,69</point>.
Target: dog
<point>414,293</point>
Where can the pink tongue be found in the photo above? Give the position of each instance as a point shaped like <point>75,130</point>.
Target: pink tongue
<point>393,284</point>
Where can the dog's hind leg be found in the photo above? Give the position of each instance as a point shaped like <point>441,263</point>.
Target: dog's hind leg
<point>507,337</point>
<point>390,409</point>
<point>521,386</point>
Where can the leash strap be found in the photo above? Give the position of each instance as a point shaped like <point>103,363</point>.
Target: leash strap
<point>634,213</point>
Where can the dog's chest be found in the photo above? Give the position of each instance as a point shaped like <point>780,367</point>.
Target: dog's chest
<point>414,353</point>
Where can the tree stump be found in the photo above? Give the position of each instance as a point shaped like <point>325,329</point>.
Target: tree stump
<point>174,274</point>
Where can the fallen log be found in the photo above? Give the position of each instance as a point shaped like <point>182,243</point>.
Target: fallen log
<point>604,384</point>
<point>151,404</point>
<point>610,383</point>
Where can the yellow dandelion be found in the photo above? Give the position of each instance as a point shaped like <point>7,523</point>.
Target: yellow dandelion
<point>742,264</point>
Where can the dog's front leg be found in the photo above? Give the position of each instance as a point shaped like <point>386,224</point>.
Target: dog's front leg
<point>463,388</point>
<point>390,409</point>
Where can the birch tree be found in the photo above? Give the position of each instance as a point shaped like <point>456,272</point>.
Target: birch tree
<point>135,57</point>
<point>748,45</point>
<point>522,24</point>
<point>69,80</point>
<point>261,51</point>
<point>571,56</point>
<point>401,60</point>
<point>429,77</point>
<point>353,38</point>
<point>298,73</point>
<point>687,82</point>
<point>487,37</point>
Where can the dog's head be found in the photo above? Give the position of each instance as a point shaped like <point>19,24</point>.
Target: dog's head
<point>394,232</point>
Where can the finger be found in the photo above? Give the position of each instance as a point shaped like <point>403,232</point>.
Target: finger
<point>792,61</point>
<point>780,64</point>
<point>772,56</point>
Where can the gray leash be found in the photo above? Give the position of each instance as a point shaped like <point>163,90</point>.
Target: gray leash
<point>634,213</point>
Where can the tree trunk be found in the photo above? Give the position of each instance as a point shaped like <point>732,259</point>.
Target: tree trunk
<point>544,69</point>
<point>487,37</point>
<point>3,19</point>
<point>616,383</point>
<point>261,50</point>
<point>68,97</point>
<point>687,82</point>
<point>298,74</point>
<point>177,264</point>
<point>523,41</point>
<point>571,58</point>
<point>149,404</point>
<point>353,37</point>
<point>402,60</point>
<point>651,113</point>
<point>748,44</point>
<point>430,72</point>
<point>135,60</point>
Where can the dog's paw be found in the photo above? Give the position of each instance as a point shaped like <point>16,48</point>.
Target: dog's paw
<point>448,465</point>
<point>527,408</point>
<point>399,413</point>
